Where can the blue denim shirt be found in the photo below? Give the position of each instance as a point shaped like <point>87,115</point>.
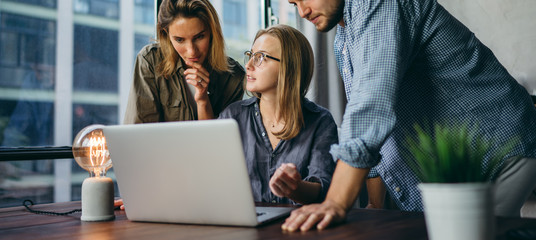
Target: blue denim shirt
<point>407,62</point>
<point>309,150</point>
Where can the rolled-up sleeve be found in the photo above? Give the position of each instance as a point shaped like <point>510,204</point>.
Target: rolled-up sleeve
<point>377,49</point>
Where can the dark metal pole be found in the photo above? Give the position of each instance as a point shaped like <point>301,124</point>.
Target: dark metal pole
<point>34,153</point>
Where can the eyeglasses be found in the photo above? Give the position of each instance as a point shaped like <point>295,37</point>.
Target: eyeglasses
<point>258,57</point>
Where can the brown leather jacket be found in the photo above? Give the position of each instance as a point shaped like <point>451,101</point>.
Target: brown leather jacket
<point>156,99</point>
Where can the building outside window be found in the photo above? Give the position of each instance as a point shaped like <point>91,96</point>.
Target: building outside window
<point>29,54</point>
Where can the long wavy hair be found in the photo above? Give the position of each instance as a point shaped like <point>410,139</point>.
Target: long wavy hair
<point>169,11</point>
<point>295,73</point>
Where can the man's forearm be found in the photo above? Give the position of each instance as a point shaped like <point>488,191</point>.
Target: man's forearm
<point>376,192</point>
<point>306,193</point>
<point>346,184</point>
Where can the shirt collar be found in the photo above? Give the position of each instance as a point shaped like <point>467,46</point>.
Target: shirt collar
<point>310,106</point>
<point>249,101</point>
<point>307,104</point>
<point>346,12</point>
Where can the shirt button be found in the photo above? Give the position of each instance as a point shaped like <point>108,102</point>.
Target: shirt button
<point>273,155</point>
<point>256,113</point>
<point>263,134</point>
<point>397,189</point>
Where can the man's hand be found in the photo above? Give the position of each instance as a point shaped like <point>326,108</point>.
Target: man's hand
<point>308,216</point>
<point>345,187</point>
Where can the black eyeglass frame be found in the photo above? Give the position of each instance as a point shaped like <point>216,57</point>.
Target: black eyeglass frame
<point>249,54</point>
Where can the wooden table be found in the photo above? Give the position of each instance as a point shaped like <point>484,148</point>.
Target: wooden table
<point>17,223</point>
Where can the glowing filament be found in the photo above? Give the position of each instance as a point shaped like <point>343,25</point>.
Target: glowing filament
<point>97,151</point>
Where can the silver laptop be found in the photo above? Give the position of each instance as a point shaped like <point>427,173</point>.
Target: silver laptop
<point>185,172</point>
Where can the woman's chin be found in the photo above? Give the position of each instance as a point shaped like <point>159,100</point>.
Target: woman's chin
<point>250,87</point>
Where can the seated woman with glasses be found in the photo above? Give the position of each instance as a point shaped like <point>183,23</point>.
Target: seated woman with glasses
<point>286,138</point>
<point>186,74</point>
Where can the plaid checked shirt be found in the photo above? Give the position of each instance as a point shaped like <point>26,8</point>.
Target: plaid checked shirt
<point>407,62</point>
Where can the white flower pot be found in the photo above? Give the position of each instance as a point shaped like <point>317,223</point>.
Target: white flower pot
<point>458,210</point>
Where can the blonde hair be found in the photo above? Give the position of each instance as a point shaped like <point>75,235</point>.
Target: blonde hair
<point>295,73</point>
<point>169,11</point>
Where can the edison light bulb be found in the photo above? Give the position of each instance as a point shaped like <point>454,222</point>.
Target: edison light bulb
<point>91,153</point>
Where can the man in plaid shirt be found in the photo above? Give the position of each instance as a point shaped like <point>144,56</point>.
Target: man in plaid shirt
<point>407,62</point>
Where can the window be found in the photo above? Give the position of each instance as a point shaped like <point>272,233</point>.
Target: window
<point>29,83</point>
<point>44,3</point>
<point>27,48</point>
<point>235,20</point>
<point>44,106</point>
<point>240,21</point>
<point>142,7</point>
<point>102,8</point>
<point>285,12</point>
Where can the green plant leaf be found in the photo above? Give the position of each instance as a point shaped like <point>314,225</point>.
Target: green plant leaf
<point>453,154</point>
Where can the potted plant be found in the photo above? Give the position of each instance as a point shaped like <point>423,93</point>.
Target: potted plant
<point>456,187</point>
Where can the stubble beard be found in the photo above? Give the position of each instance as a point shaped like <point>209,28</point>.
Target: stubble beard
<point>332,20</point>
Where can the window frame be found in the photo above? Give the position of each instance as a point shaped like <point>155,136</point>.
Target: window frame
<point>24,153</point>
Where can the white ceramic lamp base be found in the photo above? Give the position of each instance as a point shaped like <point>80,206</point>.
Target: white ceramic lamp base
<point>97,199</point>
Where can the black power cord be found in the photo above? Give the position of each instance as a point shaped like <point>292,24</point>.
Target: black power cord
<point>27,203</point>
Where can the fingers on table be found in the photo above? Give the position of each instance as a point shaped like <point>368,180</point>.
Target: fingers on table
<point>309,217</point>
<point>313,219</point>
<point>326,221</point>
<point>302,219</point>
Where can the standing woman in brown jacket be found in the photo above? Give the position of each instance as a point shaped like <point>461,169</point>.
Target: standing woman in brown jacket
<point>186,74</point>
